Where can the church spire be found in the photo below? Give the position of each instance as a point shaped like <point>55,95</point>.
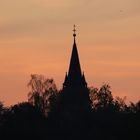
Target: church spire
<point>74,76</point>
<point>75,95</point>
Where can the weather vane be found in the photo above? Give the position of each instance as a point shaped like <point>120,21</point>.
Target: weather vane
<point>74,30</point>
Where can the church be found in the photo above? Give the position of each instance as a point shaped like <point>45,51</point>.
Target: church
<point>75,94</point>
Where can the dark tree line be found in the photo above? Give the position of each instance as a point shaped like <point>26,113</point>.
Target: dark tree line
<point>109,119</point>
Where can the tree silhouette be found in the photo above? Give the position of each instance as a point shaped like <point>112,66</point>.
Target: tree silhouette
<point>120,104</point>
<point>1,108</point>
<point>101,98</point>
<point>42,118</point>
<point>2,111</point>
<point>43,92</point>
<point>24,120</point>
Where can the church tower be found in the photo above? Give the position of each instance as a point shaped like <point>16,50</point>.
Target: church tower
<point>75,94</point>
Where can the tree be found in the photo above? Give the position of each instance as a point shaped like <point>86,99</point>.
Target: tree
<point>23,119</point>
<point>2,110</point>
<point>134,107</point>
<point>120,104</point>
<point>93,96</point>
<point>42,93</point>
<point>101,98</point>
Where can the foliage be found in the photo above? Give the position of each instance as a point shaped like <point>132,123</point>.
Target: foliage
<point>120,104</point>
<point>102,100</point>
<point>43,92</point>
<point>111,118</point>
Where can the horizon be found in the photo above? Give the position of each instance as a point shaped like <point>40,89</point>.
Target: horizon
<point>39,40</point>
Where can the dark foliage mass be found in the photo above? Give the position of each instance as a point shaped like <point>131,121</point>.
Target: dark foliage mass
<point>109,118</point>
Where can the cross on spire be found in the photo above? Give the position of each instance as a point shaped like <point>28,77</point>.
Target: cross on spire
<point>74,30</point>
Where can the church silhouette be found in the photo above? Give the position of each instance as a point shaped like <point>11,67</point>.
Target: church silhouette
<point>75,98</point>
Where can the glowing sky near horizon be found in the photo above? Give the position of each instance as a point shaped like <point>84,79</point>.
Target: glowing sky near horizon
<point>36,37</point>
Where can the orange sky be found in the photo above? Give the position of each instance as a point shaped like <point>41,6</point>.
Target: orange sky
<point>36,37</point>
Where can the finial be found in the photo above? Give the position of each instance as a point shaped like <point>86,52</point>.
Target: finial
<point>74,30</point>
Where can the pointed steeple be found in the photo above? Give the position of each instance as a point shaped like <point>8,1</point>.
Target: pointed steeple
<point>75,98</point>
<point>74,76</point>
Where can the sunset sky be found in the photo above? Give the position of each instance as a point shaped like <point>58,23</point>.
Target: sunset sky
<point>36,37</point>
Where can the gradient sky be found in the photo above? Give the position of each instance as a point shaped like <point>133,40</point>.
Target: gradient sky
<point>36,37</point>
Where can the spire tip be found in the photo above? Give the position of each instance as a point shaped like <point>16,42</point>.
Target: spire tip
<point>74,30</point>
